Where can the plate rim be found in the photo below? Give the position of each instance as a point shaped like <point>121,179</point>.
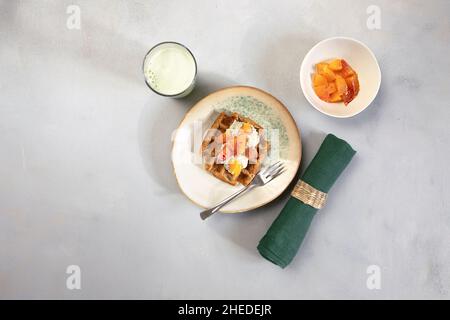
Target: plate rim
<point>225,89</point>
<point>340,38</point>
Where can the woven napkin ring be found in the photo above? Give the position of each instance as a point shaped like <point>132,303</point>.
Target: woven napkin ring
<point>309,195</point>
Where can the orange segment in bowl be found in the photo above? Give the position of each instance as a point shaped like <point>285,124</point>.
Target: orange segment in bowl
<point>335,97</point>
<point>331,87</point>
<point>353,84</point>
<point>341,85</point>
<point>319,80</point>
<point>328,73</point>
<point>322,92</point>
<point>346,71</point>
<point>335,81</point>
<point>320,66</point>
<point>336,65</point>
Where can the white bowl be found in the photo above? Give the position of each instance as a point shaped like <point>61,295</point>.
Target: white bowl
<point>359,57</point>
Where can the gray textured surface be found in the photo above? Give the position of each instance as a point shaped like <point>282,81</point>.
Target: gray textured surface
<point>85,173</point>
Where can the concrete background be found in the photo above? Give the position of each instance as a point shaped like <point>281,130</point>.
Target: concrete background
<point>85,172</point>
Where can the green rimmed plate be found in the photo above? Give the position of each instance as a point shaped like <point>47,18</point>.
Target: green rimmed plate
<point>204,189</point>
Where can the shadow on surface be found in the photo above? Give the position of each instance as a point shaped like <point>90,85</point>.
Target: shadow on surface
<point>159,119</point>
<point>246,229</point>
<point>277,66</point>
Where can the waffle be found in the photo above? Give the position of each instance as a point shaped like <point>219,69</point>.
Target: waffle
<point>210,144</point>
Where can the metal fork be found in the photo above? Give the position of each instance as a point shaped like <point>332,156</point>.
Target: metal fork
<point>263,177</point>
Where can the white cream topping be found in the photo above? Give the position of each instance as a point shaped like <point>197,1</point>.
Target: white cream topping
<point>243,160</point>
<point>235,127</point>
<point>253,138</point>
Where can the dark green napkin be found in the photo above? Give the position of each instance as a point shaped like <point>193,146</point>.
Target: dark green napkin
<point>285,235</point>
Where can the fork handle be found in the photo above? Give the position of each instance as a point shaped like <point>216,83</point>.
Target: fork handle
<point>209,212</point>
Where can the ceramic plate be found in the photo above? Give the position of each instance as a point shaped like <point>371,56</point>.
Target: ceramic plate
<point>204,189</point>
<point>359,57</point>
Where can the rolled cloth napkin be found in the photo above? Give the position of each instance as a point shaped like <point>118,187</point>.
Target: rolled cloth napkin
<point>285,235</point>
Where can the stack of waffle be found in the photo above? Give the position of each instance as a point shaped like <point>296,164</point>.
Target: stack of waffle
<point>212,143</point>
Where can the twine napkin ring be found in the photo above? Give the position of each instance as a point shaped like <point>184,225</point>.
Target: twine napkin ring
<point>309,195</point>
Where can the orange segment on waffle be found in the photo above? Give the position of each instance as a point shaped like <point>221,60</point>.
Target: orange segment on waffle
<point>246,127</point>
<point>235,167</point>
